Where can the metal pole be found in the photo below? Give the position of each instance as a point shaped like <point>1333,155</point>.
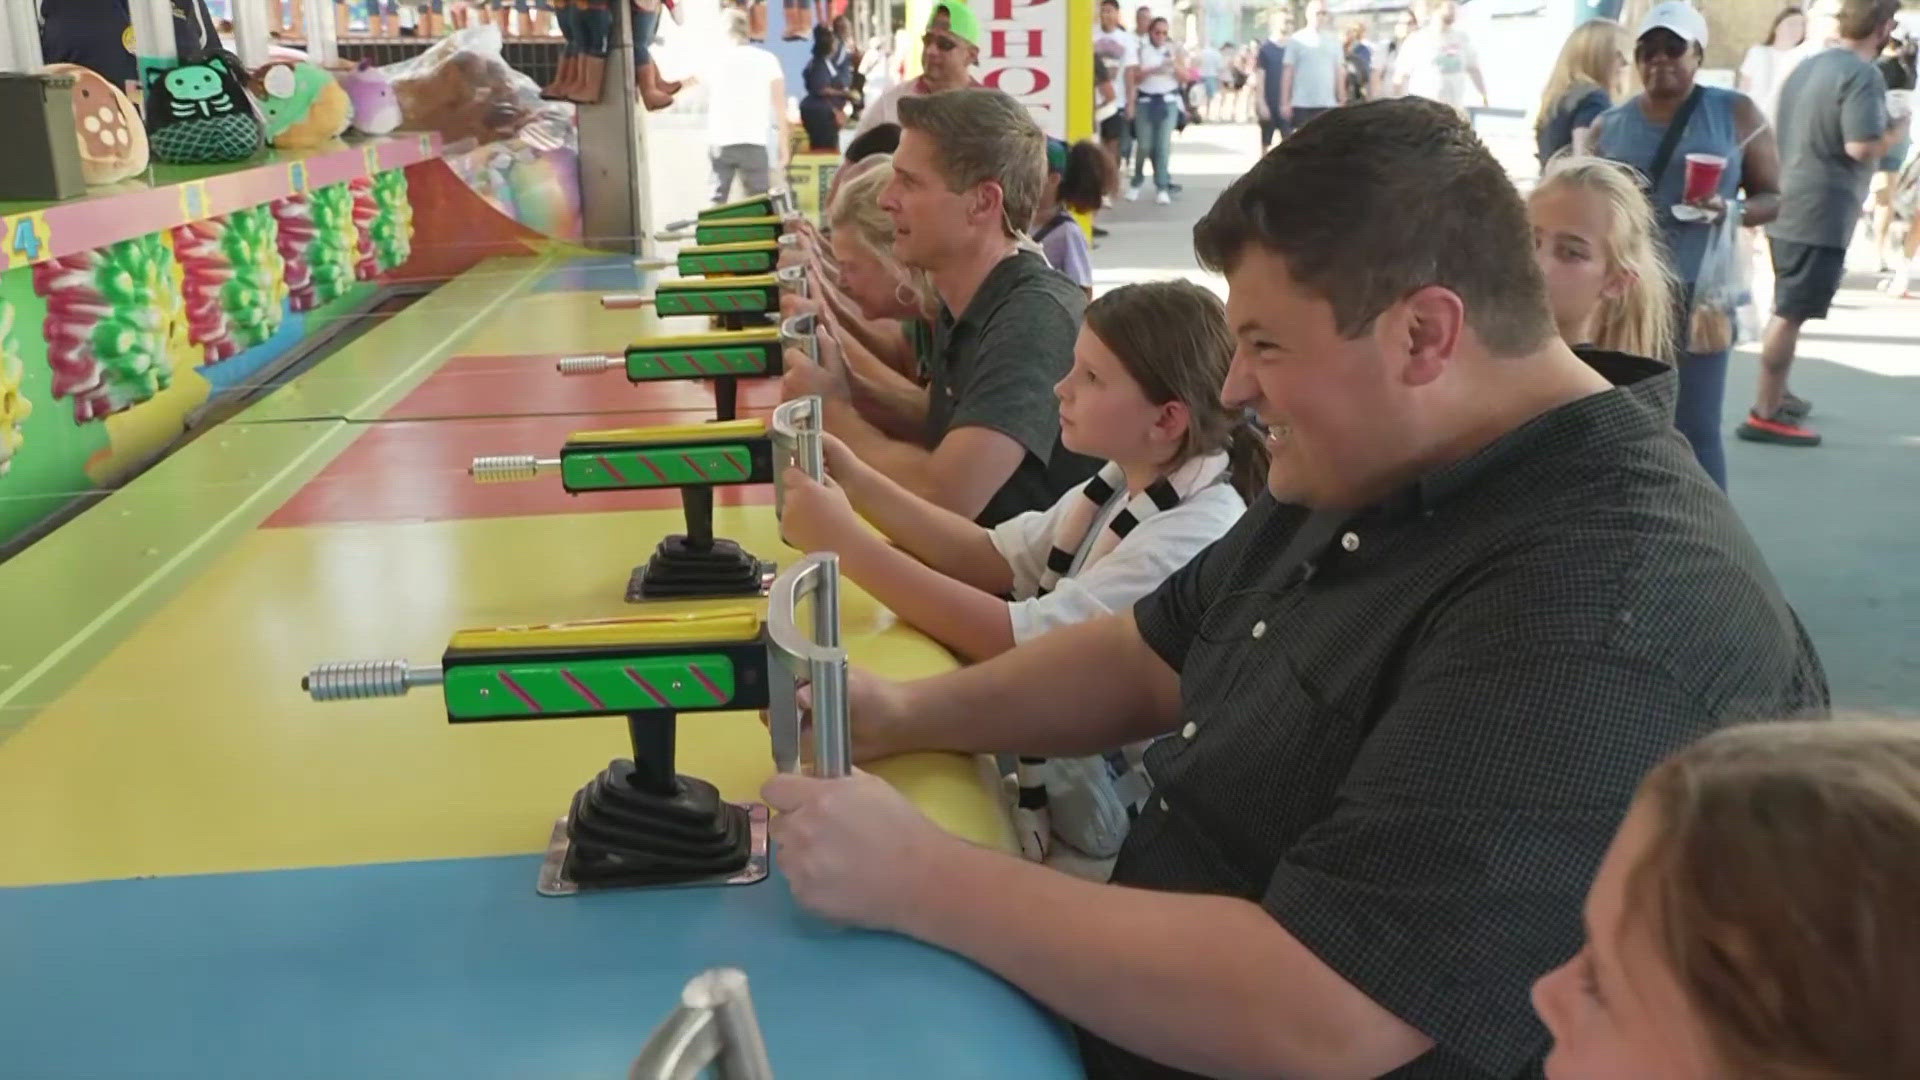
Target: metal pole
<point>323,41</point>
<point>252,32</point>
<point>833,749</point>
<point>154,48</point>
<point>20,51</point>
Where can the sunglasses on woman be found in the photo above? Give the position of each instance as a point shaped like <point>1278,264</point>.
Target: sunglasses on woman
<point>1671,46</point>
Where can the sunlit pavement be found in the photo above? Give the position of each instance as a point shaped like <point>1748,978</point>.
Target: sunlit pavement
<point>1839,523</point>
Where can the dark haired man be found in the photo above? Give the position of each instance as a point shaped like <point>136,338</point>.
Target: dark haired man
<point>1401,708</point>
<point>1834,129</point>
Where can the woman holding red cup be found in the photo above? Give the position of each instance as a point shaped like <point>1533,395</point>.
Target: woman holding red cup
<point>1706,153</point>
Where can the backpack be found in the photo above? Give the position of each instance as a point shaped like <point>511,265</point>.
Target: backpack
<point>199,113</point>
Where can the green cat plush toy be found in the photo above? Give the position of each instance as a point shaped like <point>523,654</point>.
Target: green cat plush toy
<point>199,112</point>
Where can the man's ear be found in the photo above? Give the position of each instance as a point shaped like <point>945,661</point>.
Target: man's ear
<point>1433,321</point>
<point>989,201</point>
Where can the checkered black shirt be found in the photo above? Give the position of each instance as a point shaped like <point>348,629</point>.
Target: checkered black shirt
<point>1414,748</point>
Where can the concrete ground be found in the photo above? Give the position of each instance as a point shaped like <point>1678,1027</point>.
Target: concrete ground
<point>1840,524</point>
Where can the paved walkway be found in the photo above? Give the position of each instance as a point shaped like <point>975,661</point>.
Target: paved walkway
<point>1840,524</point>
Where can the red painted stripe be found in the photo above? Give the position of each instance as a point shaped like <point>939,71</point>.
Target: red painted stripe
<point>728,458</point>
<point>645,685</point>
<point>520,692</point>
<point>581,689</point>
<point>652,468</point>
<point>694,360</point>
<point>695,466</point>
<point>718,697</point>
<point>608,465</point>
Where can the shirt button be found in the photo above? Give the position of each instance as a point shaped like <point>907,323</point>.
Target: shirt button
<point>1350,542</point>
<point>1260,629</point>
<point>1163,805</point>
<point>1187,732</point>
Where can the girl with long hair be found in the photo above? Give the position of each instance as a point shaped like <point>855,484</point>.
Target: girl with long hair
<point>1595,239</point>
<point>1144,395</point>
<point>1583,84</point>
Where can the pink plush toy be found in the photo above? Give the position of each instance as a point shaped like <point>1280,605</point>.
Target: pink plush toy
<point>376,110</point>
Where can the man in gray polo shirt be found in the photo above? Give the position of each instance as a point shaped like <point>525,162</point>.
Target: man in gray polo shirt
<point>970,164</point>
<point>1834,129</point>
<point>1316,64</point>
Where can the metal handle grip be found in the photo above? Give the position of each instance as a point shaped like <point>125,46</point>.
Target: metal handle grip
<point>353,679</point>
<point>589,365</point>
<point>625,301</point>
<point>796,428</point>
<point>713,1027</point>
<point>818,656</point>
<point>793,279</point>
<point>787,240</point>
<point>509,468</point>
<point>797,333</point>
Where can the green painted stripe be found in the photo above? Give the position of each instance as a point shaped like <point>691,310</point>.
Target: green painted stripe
<point>710,301</point>
<point>684,681</point>
<point>647,366</point>
<point>721,233</point>
<point>625,470</point>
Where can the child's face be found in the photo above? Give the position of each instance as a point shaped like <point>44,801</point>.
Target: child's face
<point>1616,1009</point>
<point>1570,244</point>
<point>1104,415</point>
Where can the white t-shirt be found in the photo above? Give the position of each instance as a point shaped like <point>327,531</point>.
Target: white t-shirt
<point>1211,63</point>
<point>1118,48</point>
<point>1435,62</point>
<point>740,84</point>
<point>1763,70</point>
<point>1136,566</point>
<point>1318,62</point>
<point>1152,56</point>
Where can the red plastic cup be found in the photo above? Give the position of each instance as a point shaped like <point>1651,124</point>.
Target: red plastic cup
<point>1703,177</point>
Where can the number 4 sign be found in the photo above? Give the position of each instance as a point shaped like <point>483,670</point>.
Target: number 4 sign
<point>24,240</point>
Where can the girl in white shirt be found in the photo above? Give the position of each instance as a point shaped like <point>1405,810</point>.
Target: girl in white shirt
<point>1768,64</point>
<point>1144,394</point>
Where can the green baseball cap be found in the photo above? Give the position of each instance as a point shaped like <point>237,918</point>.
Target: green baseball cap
<point>961,22</point>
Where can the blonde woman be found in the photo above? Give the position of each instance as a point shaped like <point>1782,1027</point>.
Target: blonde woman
<point>1595,240</point>
<point>1582,86</point>
<point>1756,915</point>
<point>877,312</point>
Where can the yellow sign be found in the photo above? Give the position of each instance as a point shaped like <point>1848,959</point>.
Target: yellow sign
<point>193,201</point>
<point>25,240</point>
<point>810,177</point>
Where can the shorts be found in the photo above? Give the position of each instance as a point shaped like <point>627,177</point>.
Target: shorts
<point>645,25</point>
<point>1113,127</point>
<point>372,8</point>
<point>1805,277</point>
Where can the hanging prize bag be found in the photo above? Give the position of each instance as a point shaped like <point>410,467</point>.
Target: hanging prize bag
<point>199,113</point>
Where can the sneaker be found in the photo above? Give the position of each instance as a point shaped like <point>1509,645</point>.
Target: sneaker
<point>1175,188</point>
<point>1099,233</point>
<point>1106,202</point>
<point>1794,407</point>
<point>1162,198</point>
<point>1778,429</point>
<point>1133,193</point>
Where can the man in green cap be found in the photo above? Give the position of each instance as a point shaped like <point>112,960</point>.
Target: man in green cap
<point>948,50</point>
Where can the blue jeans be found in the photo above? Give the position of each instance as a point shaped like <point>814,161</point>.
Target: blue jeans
<point>1153,138</point>
<point>1703,390</point>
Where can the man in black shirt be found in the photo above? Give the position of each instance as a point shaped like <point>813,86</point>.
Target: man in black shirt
<point>1401,708</point>
<point>966,181</point>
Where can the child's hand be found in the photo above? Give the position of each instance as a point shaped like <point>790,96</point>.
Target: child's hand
<point>816,516</point>
<point>792,304</point>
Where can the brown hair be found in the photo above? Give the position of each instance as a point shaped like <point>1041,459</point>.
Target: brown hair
<point>1784,888</point>
<point>1172,338</point>
<point>1861,19</point>
<point>983,136</point>
<point>1781,16</point>
<point>1371,202</point>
